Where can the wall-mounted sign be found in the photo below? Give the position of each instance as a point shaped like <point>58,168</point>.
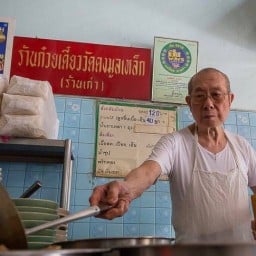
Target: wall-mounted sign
<point>127,133</point>
<point>175,61</point>
<point>85,69</point>
<point>7,26</point>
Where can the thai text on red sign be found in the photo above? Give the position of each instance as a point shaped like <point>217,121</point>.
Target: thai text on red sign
<point>85,69</point>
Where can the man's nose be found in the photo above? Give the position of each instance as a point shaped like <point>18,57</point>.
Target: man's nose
<point>209,101</point>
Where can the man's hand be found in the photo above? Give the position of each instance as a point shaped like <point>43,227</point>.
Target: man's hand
<point>115,194</point>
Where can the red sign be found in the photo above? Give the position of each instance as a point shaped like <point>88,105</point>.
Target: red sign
<point>84,69</point>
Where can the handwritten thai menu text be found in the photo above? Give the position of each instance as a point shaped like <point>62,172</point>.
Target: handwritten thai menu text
<point>126,135</point>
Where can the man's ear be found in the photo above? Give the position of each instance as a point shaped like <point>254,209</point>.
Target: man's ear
<point>188,100</point>
<point>231,98</point>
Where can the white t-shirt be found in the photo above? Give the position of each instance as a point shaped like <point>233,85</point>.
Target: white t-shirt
<point>175,153</point>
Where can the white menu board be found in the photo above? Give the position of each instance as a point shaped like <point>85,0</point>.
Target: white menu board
<point>126,134</point>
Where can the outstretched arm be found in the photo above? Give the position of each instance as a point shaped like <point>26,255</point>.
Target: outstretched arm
<point>119,194</point>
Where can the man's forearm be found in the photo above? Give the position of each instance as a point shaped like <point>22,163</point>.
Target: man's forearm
<point>141,178</point>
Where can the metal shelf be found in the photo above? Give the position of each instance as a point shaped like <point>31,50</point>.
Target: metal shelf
<point>45,151</point>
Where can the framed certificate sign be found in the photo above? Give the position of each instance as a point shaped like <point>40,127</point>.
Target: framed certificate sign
<point>6,42</point>
<point>175,61</point>
<point>127,133</point>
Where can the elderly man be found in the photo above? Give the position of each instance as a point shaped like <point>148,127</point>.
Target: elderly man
<point>209,169</point>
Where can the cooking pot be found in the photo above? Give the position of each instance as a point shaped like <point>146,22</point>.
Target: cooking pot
<point>115,242</point>
<point>157,250</point>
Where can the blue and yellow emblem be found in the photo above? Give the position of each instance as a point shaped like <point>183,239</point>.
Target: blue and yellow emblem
<point>175,58</point>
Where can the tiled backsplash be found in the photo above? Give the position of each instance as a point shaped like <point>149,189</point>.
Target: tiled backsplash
<point>148,215</point>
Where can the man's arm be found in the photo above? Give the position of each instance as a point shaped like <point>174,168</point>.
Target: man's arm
<point>119,194</point>
<point>141,178</point>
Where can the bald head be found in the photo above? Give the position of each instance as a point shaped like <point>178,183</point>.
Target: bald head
<point>207,70</point>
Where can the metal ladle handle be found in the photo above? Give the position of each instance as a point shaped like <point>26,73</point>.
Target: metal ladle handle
<point>91,211</point>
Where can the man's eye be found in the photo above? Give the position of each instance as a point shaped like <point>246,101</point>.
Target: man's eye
<point>199,96</point>
<point>216,95</point>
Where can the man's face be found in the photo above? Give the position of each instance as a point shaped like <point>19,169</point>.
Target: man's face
<point>210,99</point>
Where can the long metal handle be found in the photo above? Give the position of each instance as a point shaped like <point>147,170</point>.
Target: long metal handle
<point>91,211</point>
<point>32,189</point>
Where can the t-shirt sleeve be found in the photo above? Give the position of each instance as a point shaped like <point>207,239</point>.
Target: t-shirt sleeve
<point>163,153</point>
